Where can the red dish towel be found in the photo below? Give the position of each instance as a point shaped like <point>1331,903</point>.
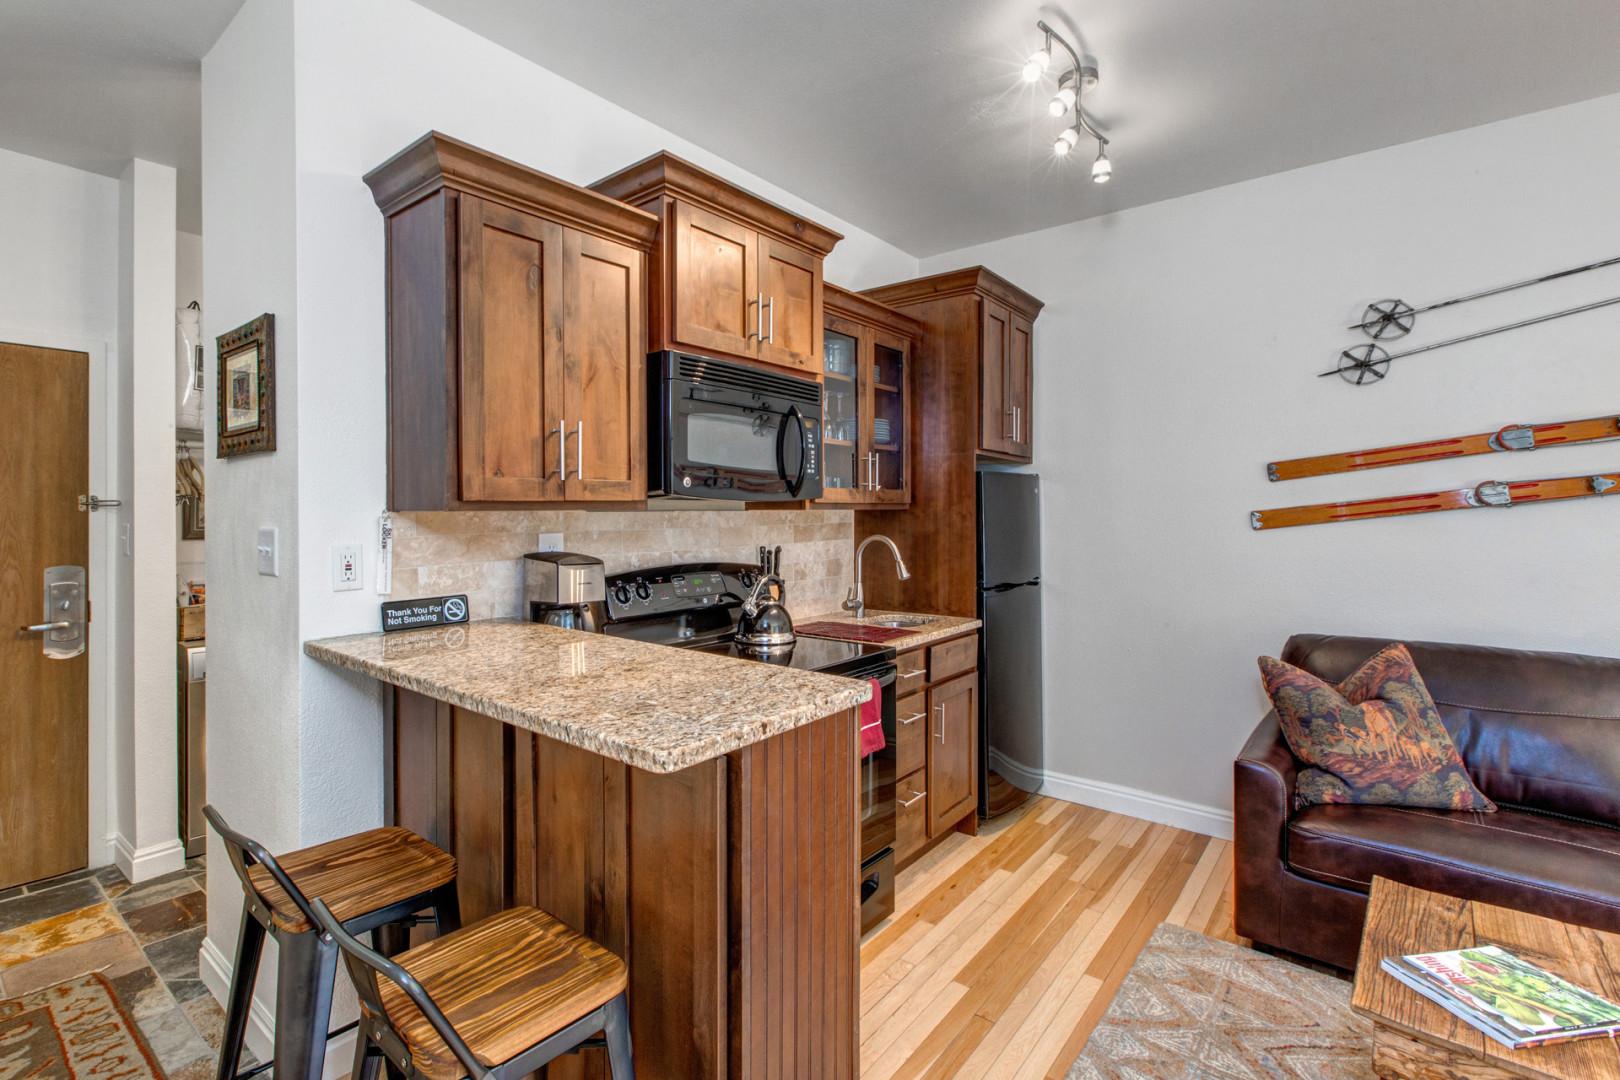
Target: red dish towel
<point>872,721</point>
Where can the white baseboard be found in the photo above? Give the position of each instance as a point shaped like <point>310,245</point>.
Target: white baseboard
<point>214,968</point>
<point>149,862</point>
<point>1117,798</point>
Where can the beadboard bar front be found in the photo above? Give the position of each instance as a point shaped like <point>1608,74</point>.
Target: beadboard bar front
<point>729,888</point>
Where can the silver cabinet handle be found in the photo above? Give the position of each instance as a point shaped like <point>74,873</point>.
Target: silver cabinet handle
<point>915,795</point>
<point>919,673</point>
<point>46,627</point>
<point>579,451</point>
<point>914,719</point>
<point>772,338</point>
<point>759,316</point>
<point>562,449</point>
<point>877,482</point>
<point>939,732</point>
<point>1018,423</point>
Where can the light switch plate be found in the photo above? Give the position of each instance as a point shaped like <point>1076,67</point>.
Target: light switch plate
<point>269,552</point>
<point>345,567</point>
<point>551,542</point>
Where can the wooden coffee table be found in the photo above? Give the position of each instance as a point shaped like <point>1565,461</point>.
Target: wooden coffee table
<point>1415,1039</point>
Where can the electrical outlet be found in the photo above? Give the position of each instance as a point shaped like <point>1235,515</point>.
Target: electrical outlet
<point>345,567</point>
<point>551,542</point>
<point>269,552</point>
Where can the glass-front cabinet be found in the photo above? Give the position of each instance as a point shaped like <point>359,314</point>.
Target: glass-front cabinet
<point>866,409</point>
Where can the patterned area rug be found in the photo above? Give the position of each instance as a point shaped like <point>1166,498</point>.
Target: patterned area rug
<point>75,1029</point>
<point>1193,1008</point>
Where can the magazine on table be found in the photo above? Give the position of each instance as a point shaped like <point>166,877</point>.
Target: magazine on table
<point>1508,998</point>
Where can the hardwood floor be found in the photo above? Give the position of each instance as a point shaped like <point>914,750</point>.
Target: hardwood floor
<point>1005,948</point>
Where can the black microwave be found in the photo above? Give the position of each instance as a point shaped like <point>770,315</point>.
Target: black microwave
<point>720,429</point>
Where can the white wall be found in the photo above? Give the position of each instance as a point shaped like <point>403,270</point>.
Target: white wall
<point>59,232</point>
<point>147,842</point>
<point>1176,357</point>
<point>300,99</point>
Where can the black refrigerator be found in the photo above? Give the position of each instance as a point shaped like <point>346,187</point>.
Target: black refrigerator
<point>1011,741</point>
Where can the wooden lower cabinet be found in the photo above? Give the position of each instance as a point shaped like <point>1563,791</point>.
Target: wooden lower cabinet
<point>729,888</point>
<point>936,744</point>
<point>953,712</point>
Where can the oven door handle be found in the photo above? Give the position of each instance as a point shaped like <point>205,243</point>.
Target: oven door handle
<point>796,484</point>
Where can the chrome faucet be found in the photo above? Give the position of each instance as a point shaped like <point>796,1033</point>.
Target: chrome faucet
<point>855,602</point>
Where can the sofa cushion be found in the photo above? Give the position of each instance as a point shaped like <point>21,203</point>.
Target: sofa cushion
<point>1535,729</point>
<point>1377,732</point>
<point>1548,865</point>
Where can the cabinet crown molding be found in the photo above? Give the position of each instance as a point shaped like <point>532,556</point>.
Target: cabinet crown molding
<point>437,161</point>
<point>852,305</point>
<point>665,174</point>
<point>956,283</point>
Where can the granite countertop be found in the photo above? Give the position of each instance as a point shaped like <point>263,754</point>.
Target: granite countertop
<point>940,628</point>
<point>655,707</point>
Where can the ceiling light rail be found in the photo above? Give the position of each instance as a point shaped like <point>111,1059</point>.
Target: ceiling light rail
<point>1072,84</point>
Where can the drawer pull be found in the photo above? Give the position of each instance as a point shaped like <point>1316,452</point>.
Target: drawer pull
<point>919,673</point>
<point>913,719</point>
<point>915,795</point>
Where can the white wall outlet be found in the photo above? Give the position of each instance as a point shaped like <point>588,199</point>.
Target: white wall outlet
<point>269,552</point>
<point>550,542</point>
<point>345,567</point>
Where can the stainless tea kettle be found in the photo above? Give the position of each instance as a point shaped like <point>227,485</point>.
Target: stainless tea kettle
<point>765,622</point>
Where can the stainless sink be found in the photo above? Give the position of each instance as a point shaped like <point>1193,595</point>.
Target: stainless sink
<point>900,622</point>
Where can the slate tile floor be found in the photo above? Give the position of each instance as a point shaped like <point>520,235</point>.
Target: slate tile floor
<point>143,938</point>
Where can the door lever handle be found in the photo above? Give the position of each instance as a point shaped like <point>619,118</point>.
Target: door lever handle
<point>46,627</point>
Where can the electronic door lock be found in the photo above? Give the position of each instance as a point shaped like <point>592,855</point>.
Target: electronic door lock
<point>66,612</point>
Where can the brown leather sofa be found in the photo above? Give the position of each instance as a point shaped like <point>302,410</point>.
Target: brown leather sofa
<point>1540,733</point>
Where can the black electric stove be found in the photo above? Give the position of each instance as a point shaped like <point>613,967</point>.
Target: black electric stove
<point>696,606</point>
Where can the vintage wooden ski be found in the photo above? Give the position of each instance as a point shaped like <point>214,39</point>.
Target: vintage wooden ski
<point>1490,493</point>
<point>1511,438</point>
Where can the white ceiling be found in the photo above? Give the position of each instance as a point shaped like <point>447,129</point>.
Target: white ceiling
<point>905,117</point>
<point>93,83</point>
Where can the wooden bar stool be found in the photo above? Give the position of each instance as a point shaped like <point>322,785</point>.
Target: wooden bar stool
<point>370,880</point>
<point>495,1000</point>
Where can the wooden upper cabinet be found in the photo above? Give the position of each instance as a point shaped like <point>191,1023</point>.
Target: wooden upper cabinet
<point>510,408</point>
<point>516,333</point>
<point>790,280</point>
<point>604,355</point>
<point>867,437</point>
<point>731,274</point>
<point>978,326</point>
<point>714,297</point>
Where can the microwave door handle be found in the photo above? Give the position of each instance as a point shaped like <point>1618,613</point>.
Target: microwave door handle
<point>796,484</point>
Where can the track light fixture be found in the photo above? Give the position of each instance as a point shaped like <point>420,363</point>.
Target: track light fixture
<point>1072,84</point>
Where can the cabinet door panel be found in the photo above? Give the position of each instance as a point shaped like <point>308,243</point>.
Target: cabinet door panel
<point>1021,382</point>
<point>995,421</point>
<point>952,751</point>
<point>510,379</point>
<point>716,283</point>
<point>843,413</point>
<point>791,281</point>
<point>604,355</point>
<point>889,409</point>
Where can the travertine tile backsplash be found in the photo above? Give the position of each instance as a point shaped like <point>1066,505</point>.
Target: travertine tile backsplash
<point>478,552</point>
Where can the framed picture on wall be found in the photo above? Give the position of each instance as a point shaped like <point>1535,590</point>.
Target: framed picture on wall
<point>247,388</point>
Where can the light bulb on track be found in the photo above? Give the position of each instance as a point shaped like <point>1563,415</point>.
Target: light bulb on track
<point>1065,142</point>
<point>1102,170</point>
<point>1039,61</point>
<point>1061,102</point>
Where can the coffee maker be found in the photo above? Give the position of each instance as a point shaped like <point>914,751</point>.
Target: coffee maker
<point>562,588</point>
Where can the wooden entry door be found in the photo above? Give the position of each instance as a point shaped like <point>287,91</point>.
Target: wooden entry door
<point>44,703</point>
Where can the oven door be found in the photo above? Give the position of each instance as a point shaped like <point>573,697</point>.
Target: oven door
<point>877,770</point>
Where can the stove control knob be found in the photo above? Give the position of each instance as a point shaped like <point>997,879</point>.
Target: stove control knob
<point>747,578</point>
<point>621,594</point>
<point>643,593</point>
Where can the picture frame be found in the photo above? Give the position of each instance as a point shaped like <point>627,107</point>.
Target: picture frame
<point>246,401</point>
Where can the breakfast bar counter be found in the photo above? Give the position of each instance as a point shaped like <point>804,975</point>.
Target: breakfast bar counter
<point>695,814</point>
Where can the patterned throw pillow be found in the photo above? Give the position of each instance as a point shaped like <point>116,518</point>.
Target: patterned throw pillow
<point>1375,738</point>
